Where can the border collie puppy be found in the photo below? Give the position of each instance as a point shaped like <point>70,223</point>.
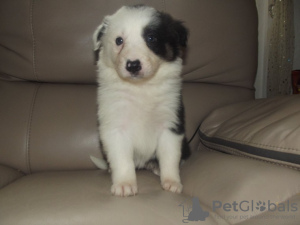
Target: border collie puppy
<point>141,115</point>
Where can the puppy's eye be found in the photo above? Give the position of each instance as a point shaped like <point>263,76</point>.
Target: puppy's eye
<point>119,41</point>
<point>151,38</point>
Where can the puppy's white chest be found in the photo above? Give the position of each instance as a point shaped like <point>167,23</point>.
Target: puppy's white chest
<point>141,120</point>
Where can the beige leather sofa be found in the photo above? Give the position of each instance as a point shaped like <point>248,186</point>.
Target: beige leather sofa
<point>245,161</point>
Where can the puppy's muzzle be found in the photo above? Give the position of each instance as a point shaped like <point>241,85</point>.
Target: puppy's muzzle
<point>133,66</point>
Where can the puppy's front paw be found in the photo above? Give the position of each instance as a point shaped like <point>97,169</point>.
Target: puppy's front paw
<point>124,189</point>
<point>173,186</point>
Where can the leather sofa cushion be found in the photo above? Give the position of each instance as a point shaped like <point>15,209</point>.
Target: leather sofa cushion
<point>51,41</point>
<point>266,129</point>
<point>83,196</point>
<point>8,175</point>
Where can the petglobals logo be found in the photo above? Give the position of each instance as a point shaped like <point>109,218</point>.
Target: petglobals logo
<point>251,206</point>
<point>192,211</point>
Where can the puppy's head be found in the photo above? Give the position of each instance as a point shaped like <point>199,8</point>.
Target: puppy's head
<point>136,40</point>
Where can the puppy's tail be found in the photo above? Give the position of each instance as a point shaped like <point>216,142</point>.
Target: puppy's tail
<point>100,163</point>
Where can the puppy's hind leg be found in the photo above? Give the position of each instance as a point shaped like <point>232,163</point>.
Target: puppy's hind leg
<point>120,157</point>
<point>169,154</point>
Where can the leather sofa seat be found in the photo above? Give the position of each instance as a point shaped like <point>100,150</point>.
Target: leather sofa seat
<point>48,122</point>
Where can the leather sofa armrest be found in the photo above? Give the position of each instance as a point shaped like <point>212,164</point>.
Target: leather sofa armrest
<point>265,129</point>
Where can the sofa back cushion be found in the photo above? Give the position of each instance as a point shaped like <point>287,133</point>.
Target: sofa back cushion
<point>51,41</point>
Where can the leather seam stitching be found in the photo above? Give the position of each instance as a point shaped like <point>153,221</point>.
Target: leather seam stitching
<point>250,143</point>
<point>234,152</point>
<point>30,119</point>
<point>164,5</point>
<point>33,41</point>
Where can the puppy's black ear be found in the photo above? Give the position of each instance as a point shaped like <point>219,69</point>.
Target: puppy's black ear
<point>182,33</point>
<point>100,31</point>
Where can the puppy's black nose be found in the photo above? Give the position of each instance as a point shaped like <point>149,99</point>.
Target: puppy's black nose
<point>133,66</point>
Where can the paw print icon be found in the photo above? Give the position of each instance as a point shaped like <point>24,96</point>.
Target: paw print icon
<point>261,206</point>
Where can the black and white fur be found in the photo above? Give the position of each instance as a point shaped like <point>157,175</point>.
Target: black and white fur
<point>141,116</point>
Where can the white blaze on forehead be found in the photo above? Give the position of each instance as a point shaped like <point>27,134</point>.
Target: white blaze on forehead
<point>131,20</point>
